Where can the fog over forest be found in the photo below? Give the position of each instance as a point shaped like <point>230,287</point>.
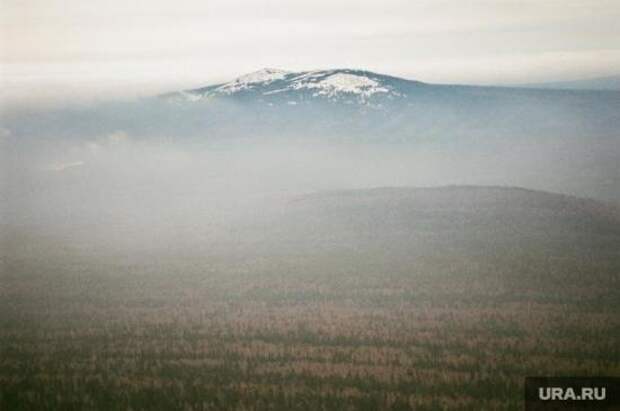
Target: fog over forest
<point>332,239</point>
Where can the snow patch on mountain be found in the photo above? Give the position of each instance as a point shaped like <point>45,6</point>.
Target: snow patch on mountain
<point>335,84</point>
<point>262,77</point>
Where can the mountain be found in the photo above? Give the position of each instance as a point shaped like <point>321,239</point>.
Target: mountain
<point>611,83</point>
<point>422,134</point>
<point>342,103</point>
<point>485,238</point>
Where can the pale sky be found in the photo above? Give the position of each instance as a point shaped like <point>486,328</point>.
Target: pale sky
<point>78,47</point>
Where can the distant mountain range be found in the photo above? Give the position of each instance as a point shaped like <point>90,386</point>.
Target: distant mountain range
<point>598,83</point>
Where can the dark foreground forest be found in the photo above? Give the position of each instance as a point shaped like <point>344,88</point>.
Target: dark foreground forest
<point>386,299</point>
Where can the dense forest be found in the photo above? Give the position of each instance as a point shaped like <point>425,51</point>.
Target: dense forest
<point>419,299</point>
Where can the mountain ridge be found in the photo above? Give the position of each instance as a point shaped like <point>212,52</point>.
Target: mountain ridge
<point>558,201</point>
<point>400,221</point>
<point>608,83</point>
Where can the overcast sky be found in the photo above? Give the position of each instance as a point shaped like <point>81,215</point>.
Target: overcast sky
<point>141,47</point>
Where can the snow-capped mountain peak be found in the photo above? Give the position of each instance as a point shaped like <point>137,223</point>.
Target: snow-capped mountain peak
<point>339,85</point>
